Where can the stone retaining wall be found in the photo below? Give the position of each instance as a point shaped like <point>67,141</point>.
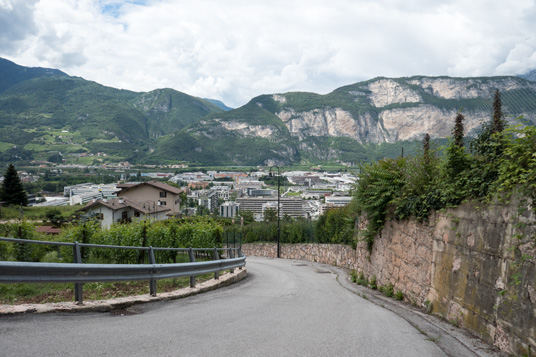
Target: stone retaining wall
<point>463,262</point>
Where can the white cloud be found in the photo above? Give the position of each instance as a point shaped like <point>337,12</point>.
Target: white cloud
<point>235,50</point>
<point>16,24</point>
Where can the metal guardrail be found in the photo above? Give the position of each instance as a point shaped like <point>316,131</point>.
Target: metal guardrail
<point>79,273</point>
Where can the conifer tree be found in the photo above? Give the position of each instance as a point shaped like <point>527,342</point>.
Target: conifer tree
<point>426,151</point>
<point>498,121</point>
<point>457,160</point>
<point>12,192</point>
<point>457,132</point>
<point>488,148</point>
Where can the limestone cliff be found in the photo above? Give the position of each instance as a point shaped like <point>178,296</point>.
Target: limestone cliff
<point>400,112</point>
<point>334,122</point>
<point>343,124</point>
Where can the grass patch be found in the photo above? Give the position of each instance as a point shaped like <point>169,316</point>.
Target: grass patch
<point>372,283</point>
<point>387,290</point>
<point>36,213</point>
<point>361,280</point>
<point>5,146</point>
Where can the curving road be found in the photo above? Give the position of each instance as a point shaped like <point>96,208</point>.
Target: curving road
<point>284,308</point>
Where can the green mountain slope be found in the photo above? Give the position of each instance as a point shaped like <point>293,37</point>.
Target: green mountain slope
<point>213,140</point>
<point>47,114</point>
<point>358,122</point>
<point>169,110</point>
<point>44,112</point>
<point>11,73</point>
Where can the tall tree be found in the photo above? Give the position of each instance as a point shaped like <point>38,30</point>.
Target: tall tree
<point>457,160</point>
<point>498,121</point>
<point>488,148</point>
<point>426,148</point>
<point>457,132</point>
<point>12,189</point>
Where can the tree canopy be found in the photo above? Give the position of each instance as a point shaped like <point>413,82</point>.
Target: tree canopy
<point>12,192</point>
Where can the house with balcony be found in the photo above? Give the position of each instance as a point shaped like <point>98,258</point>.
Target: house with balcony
<point>122,210</point>
<point>150,200</point>
<point>153,194</point>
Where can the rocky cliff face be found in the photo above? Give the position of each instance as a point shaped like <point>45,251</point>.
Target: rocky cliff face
<point>405,109</point>
<point>387,91</point>
<point>412,123</point>
<point>333,122</point>
<point>246,130</point>
<point>383,110</point>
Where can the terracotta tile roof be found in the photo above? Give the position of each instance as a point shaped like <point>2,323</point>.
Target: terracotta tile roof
<point>155,184</point>
<point>126,185</point>
<point>118,203</point>
<point>164,186</point>
<point>48,230</point>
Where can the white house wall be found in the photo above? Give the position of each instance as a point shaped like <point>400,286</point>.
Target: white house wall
<point>151,195</point>
<point>110,217</point>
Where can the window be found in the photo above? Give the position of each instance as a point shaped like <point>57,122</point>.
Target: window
<point>162,203</point>
<point>124,215</point>
<point>101,216</point>
<point>136,214</point>
<point>163,194</point>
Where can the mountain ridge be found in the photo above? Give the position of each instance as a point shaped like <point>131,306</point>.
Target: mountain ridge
<point>11,73</point>
<point>531,75</point>
<point>122,123</point>
<point>357,122</point>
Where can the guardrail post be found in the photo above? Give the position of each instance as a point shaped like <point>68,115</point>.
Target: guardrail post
<point>192,259</point>
<point>216,257</point>
<point>78,290</point>
<point>240,255</point>
<point>152,282</point>
<point>231,255</point>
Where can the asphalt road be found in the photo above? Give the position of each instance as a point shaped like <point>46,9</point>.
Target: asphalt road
<point>283,308</point>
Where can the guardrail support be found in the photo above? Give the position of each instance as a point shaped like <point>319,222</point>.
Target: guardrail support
<point>240,255</point>
<point>216,257</point>
<point>78,290</point>
<point>152,282</point>
<point>192,259</point>
<point>231,255</point>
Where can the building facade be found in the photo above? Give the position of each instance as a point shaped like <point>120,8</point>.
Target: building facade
<point>122,210</point>
<point>229,209</point>
<point>153,194</point>
<point>292,206</point>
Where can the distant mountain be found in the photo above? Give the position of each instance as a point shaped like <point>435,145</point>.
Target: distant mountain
<point>219,104</point>
<point>11,73</point>
<point>36,105</point>
<point>531,76</point>
<point>362,121</point>
<point>48,115</point>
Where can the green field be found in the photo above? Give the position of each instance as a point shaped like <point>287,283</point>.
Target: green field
<point>5,146</point>
<point>36,213</point>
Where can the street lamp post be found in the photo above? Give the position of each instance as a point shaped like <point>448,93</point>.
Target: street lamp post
<point>278,207</point>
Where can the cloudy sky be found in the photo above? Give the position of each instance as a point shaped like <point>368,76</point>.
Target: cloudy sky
<point>234,50</point>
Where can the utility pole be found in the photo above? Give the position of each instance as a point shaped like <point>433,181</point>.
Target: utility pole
<point>278,209</point>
